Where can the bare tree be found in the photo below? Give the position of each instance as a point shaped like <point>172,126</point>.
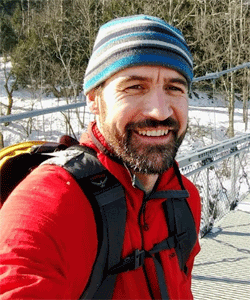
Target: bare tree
<point>1,141</point>
<point>10,86</point>
<point>59,38</point>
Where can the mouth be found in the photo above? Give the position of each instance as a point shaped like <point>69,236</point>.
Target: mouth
<point>153,133</point>
<point>153,130</point>
<point>154,136</point>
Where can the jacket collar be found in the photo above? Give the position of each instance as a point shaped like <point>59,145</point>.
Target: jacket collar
<point>98,139</point>
<point>100,142</point>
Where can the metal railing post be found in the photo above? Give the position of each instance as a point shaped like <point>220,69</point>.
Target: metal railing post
<point>207,206</point>
<point>233,179</point>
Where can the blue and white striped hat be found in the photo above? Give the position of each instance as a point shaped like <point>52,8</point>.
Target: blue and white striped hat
<point>136,41</point>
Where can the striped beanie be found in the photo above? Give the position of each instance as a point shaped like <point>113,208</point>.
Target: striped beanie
<point>137,41</point>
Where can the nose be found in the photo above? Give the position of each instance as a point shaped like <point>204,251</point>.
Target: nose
<point>158,105</point>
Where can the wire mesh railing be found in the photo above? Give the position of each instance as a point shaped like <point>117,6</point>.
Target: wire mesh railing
<point>218,171</point>
<point>220,174</point>
<point>46,124</point>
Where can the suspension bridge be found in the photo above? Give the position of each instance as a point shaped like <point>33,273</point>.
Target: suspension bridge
<point>221,173</point>
<point>222,268</point>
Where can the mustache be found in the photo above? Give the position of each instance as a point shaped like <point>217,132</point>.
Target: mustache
<point>169,122</point>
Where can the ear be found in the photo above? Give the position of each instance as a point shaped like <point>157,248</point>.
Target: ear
<point>92,101</point>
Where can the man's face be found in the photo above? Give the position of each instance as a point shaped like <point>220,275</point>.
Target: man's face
<point>143,114</point>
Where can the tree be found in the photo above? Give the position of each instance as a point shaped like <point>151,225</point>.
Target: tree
<point>7,7</point>
<point>8,38</point>
<point>219,42</point>
<point>53,49</point>
<point>8,41</point>
<point>55,39</point>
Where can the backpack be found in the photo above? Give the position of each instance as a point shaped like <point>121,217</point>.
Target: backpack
<point>107,198</point>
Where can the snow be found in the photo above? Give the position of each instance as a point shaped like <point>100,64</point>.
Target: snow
<point>244,206</point>
<point>208,124</point>
<point>208,117</point>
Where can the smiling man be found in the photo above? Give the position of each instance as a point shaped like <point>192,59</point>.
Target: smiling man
<point>143,117</point>
<point>136,83</point>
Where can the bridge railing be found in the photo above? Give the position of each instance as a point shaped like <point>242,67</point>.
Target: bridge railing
<point>43,124</point>
<point>220,172</point>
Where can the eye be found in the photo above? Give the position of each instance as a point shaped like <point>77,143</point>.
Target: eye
<point>175,89</point>
<point>135,87</point>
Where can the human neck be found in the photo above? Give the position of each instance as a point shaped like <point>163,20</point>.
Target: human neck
<point>147,181</point>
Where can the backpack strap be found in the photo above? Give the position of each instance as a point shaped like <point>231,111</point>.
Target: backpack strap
<point>108,201</point>
<point>107,198</point>
<point>182,235</point>
<point>181,226</point>
<point>180,221</point>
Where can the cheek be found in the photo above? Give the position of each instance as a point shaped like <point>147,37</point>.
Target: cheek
<point>121,114</point>
<point>118,117</point>
<point>182,116</point>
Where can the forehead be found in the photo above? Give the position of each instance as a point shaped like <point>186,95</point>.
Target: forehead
<point>150,73</point>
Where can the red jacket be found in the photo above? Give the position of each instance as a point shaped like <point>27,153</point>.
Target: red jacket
<point>48,239</point>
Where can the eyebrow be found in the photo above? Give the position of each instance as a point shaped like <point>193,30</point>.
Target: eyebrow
<point>134,78</point>
<point>127,79</point>
<point>179,80</point>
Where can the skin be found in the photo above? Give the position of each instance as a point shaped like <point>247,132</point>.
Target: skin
<point>142,112</point>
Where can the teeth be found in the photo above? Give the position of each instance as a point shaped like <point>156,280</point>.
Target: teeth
<point>153,132</point>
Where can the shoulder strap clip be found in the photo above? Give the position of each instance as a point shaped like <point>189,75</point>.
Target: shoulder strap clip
<point>131,262</point>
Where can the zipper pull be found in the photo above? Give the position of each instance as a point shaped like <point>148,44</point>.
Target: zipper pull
<point>144,224</point>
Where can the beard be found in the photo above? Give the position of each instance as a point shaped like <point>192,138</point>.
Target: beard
<point>141,158</point>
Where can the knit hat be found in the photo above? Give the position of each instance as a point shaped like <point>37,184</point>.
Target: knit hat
<point>137,41</point>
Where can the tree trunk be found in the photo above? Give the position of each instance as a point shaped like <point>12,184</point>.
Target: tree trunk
<point>9,88</point>
<point>1,141</point>
<point>28,1</point>
<point>10,101</point>
<point>231,92</point>
<point>10,104</point>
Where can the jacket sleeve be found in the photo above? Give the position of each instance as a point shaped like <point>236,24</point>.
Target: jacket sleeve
<point>48,240</point>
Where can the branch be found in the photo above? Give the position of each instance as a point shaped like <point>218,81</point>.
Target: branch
<point>184,19</point>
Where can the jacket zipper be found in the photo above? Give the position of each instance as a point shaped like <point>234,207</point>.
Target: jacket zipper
<point>142,217</point>
<point>144,226</point>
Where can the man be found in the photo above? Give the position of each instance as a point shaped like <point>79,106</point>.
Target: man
<point>137,83</point>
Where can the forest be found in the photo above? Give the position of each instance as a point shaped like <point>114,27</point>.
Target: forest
<point>49,41</point>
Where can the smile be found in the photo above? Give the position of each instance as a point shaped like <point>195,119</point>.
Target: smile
<point>153,133</point>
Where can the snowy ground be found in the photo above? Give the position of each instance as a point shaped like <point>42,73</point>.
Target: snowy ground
<point>208,118</point>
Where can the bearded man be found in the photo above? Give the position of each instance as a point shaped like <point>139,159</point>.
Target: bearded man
<point>136,83</point>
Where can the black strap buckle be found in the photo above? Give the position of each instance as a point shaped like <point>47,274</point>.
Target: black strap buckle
<point>131,262</point>
<point>139,258</point>
<point>134,260</point>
